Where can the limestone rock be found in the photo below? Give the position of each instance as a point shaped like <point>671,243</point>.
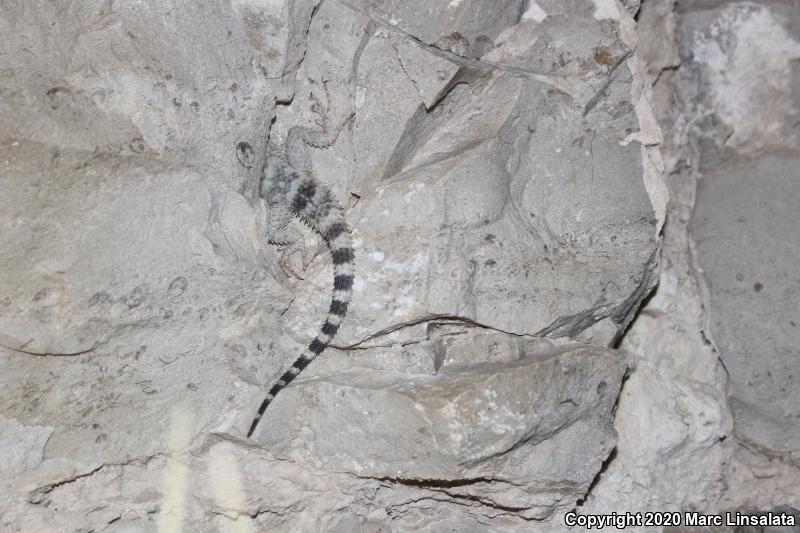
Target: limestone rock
<point>498,173</point>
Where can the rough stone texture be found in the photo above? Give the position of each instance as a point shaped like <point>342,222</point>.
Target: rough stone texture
<point>502,174</point>
<point>744,82</point>
<point>501,177</point>
<point>689,433</point>
<point>672,416</point>
<point>751,206</point>
<point>467,438</point>
<point>746,215</point>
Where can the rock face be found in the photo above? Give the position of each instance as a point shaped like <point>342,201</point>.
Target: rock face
<point>501,176</point>
<point>746,213</point>
<point>754,314</point>
<point>716,347</point>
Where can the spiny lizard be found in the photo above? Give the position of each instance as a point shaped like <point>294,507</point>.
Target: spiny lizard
<point>289,192</point>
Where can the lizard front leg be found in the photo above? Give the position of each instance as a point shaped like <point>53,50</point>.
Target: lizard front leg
<point>323,136</point>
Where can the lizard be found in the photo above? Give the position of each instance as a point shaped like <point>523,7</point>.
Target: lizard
<point>290,189</point>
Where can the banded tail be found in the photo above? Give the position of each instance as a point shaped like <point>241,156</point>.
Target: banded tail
<point>313,203</point>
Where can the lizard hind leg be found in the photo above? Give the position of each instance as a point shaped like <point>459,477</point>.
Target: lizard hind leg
<point>287,238</point>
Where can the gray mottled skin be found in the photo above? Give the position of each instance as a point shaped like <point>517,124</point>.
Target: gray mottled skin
<point>291,193</point>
